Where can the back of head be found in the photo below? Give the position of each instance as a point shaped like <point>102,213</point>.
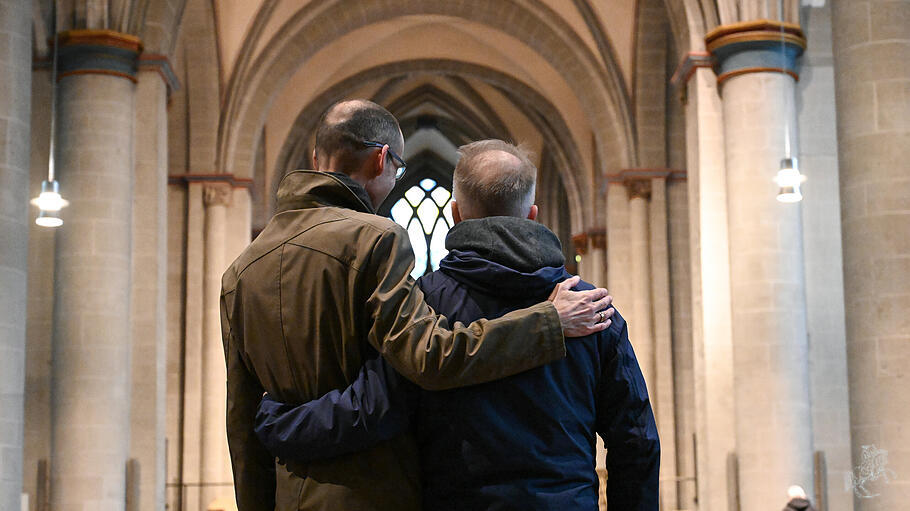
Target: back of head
<point>494,178</point>
<point>796,492</point>
<point>346,125</point>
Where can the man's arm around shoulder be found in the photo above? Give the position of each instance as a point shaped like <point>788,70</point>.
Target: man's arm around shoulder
<point>421,346</point>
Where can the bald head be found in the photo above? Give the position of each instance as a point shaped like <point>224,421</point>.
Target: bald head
<point>494,178</point>
<point>347,124</point>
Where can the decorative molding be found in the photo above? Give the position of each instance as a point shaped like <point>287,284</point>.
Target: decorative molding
<point>762,46</point>
<point>757,30</point>
<point>103,52</point>
<point>233,181</point>
<point>688,65</point>
<point>160,64</point>
<point>678,175</point>
<point>217,194</point>
<point>623,176</point>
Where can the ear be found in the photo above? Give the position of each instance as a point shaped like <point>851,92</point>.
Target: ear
<point>456,215</point>
<point>532,215</point>
<point>315,161</point>
<point>377,162</point>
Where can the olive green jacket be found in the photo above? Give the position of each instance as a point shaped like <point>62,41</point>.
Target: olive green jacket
<point>325,284</point>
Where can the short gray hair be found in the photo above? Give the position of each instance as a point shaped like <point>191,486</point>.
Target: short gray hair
<point>495,178</point>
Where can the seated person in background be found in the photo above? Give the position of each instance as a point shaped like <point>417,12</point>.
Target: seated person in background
<point>522,442</point>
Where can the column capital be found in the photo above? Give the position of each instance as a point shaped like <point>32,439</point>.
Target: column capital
<point>687,66</point>
<point>105,52</point>
<point>638,188</point>
<point>230,179</point>
<point>217,194</point>
<point>595,238</point>
<point>160,64</point>
<point>759,46</point>
<point>580,242</point>
<point>598,237</point>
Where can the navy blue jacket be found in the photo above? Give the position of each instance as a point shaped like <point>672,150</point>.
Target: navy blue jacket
<point>523,442</point>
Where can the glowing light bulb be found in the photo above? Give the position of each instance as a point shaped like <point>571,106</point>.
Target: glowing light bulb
<point>50,203</point>
<point>789,180</point>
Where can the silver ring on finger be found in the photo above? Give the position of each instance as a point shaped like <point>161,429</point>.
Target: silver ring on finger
<point>603,316</point>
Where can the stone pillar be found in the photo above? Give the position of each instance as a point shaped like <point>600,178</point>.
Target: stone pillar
<point>239,221</point>
<point>640,324</point>
<point>149,318</point>
<point>92,335</point>
<point>712,341</point>
<point>662,390</point>
<point>216,465</point>
<point>597,259</point>
<point>681,312</point>
<point>188,466</point>
<point>15,87</point>
<point>770,347</point>
<point>872,85</point>
<point>823,250</point>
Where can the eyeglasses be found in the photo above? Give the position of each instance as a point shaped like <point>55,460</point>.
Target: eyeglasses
<point>402,165</point>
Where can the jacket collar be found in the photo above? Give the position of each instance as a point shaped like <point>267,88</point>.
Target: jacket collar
<point>303,189</point>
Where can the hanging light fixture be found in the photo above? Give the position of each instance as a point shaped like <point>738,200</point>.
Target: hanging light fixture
<point>49,201</point>
<point>788,177</point>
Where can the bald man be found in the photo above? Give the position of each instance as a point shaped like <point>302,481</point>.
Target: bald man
<point>523,442</point>
<point>327,286</point>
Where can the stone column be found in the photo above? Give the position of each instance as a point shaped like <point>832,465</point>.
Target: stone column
<point>216,465</point>
<point>712,341</point>
<point>92,335</point>
<point>597,260</point>
<point>872,85</point>
<point>640,330</point>
<point>770,344</point>
<point>681,312</point>
<point>662,390</point>
<point>149,318</point>
<point>15,87</point>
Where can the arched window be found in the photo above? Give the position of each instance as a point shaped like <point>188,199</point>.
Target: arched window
<point>425,210</point>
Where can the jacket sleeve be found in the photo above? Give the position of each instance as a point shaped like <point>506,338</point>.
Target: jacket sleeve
<point>626,424</point>
<point>422,346</point>
<point>253,465</point>
<point>376,407</point>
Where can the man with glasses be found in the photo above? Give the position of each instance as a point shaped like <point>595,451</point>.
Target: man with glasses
<point>325,287</point>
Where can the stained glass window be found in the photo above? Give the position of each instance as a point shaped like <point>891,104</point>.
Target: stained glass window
<point>425,211</point>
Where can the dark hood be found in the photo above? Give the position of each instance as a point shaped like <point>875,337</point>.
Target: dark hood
<point>504,256</point>
<point>303,189</point>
